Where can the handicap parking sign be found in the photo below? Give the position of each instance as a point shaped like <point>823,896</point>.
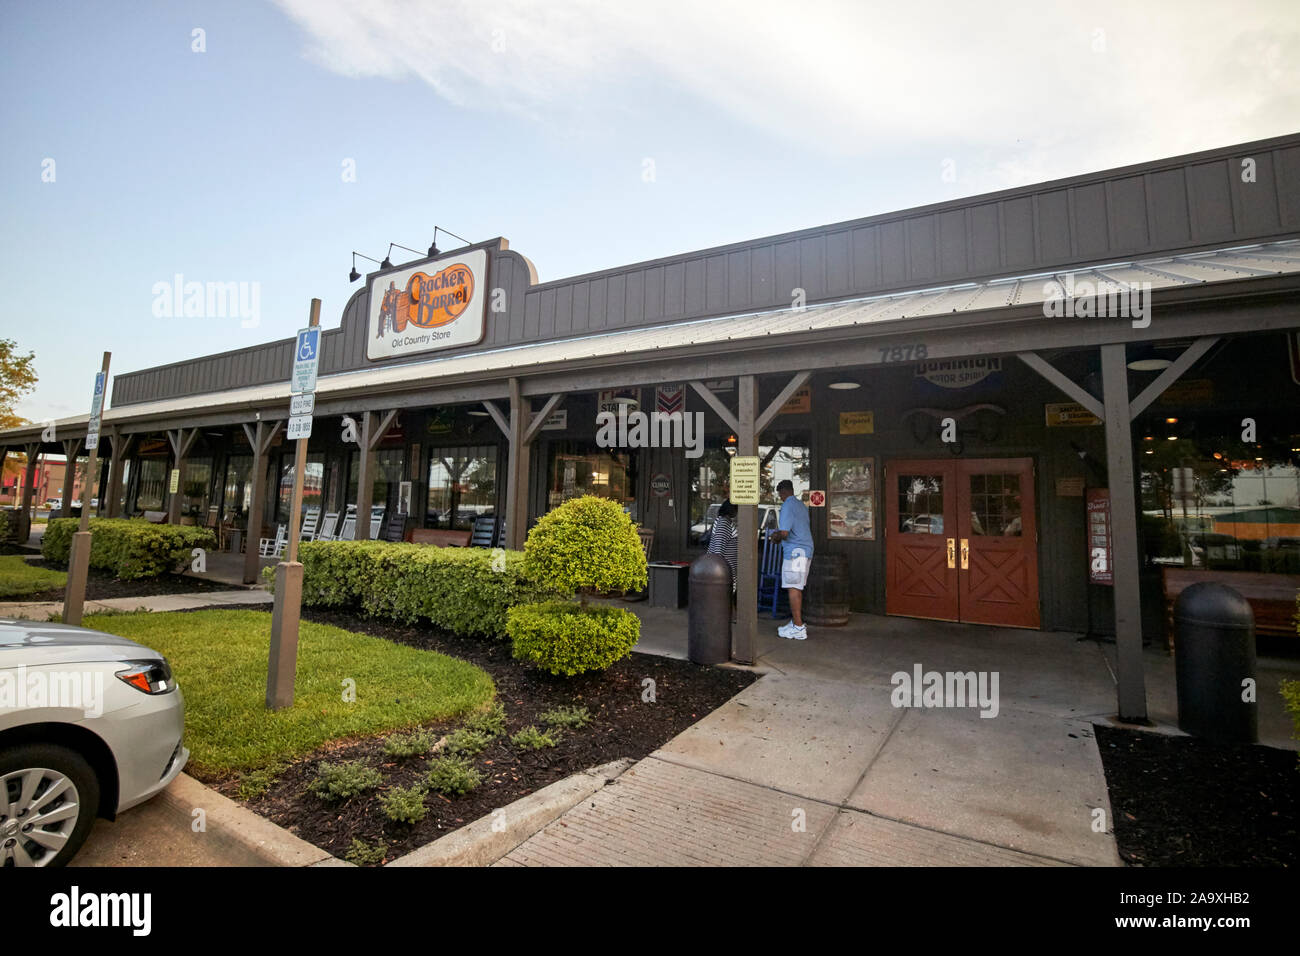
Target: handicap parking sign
<point>306,359</point>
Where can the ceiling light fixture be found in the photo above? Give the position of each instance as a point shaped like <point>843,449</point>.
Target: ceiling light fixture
<point>844,386</point>
<point>1145,360</point>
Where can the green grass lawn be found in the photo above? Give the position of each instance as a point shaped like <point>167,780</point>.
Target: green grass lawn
<point>18,578</point>
<point>219,658</point>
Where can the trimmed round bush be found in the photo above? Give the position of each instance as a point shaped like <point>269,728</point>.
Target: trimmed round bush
<point>587,544</point>
<point>566,638</point>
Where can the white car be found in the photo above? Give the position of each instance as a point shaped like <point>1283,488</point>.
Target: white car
<point>90,725</point>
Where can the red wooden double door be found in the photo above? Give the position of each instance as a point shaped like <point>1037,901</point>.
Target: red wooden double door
<point>960,540</point>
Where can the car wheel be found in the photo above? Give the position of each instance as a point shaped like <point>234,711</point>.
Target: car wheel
<point>49,798</point>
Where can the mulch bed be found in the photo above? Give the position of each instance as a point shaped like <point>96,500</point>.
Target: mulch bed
<point>101,585</point>
<point>1183,801</point>
<point>622,725</point>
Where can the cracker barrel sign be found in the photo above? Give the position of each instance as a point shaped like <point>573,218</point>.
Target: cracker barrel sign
<point>436,305</point>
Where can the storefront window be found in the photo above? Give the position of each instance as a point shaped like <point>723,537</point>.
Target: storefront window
<point>710,476</point>
<point>196,476</point>
<point>388,474</point>
<point>313,485</point>
<point>1232,509</point>
<point>462,486</point>
<point>237,496</point>
<point>578,470</point>
<point>153,484</point>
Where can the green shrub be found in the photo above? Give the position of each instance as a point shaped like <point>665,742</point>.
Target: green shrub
<point>340,781</point>
<point>256,783</point>
<point>363,854</point>
<point>492,721</point>
<point>463,590</point>
<point>408,745</point>
<point>567,717</point>
<point>587,544</point>
<point>530,738</point>
<point>404,804</point>
<point>471,743</point>
<point>452,775</point>
<point>565,638</point>
<point>8,528</point>
<point>130,548</point>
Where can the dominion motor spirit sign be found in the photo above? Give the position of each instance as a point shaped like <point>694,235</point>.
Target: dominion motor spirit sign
<point>436,305</point>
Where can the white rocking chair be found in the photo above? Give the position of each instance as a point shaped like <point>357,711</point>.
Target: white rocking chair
<point>274,547</point>
<point>327,526</point>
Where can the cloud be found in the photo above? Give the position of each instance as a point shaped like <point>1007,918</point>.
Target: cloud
<point>1048,88</point>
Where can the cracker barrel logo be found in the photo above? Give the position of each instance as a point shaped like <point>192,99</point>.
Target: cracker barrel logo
<point>428,301</point>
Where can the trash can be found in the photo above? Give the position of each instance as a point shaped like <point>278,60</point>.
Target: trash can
<point>709,614</point>
<point>1214,659</point>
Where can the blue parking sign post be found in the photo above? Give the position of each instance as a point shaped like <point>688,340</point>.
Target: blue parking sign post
<point>74,596</point>
<point>282,665</point>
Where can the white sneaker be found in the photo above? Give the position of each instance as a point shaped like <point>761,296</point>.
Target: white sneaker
<point>799,633</point>
<point>786,630</point>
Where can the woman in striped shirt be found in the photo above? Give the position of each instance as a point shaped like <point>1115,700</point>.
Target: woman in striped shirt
<point>722,538</point>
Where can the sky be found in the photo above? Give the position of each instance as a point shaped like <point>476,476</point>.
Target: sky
<point>261,142</point>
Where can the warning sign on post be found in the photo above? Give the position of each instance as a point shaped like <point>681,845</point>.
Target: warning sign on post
<point>744,480</point>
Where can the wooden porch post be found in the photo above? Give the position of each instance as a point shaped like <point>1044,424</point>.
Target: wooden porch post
<point>120,447</point>
<point>33,451</point>
<point>181,440</point>
<point>745,639</point>
<point>259,438</point>
<point>374,425</point>
<point>1123,517</point>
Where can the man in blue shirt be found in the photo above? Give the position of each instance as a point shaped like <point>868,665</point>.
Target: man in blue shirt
<point>795,535</point>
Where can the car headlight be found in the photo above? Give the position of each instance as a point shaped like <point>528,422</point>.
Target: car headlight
<point>148,677</point>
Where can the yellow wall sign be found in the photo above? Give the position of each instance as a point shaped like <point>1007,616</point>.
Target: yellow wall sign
<point>857,423</point>
<point>744,480</point>
<point>175,483</point>
<point>800,403</point>
<point>1068,413</point>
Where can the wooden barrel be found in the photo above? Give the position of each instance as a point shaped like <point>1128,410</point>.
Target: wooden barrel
<point>826,601</point>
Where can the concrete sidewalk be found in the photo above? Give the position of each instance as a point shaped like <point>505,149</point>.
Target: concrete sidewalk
<point>158,602</point>
<point>814,765</point>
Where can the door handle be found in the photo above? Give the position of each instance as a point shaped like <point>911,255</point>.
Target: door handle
<point>965,553</point>
<point>952,553</point>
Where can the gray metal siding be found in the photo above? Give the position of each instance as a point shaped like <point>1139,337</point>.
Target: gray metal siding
<point>1164,207</point>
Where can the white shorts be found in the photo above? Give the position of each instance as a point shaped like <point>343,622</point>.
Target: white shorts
<point>794,572</point>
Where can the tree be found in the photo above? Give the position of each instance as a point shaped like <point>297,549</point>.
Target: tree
<point>17,380</point>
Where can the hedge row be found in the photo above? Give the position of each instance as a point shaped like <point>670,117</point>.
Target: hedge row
<point>462,590</point>
<point>131,548</point>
